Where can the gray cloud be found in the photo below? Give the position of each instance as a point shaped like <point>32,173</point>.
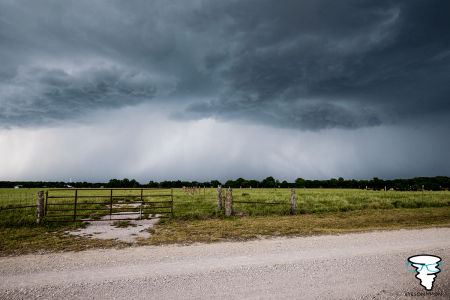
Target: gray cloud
<point>312,116</point>
<point>42,95</point>
<point>136,143</point>
<point>307,65</point>
<point>362,65</point>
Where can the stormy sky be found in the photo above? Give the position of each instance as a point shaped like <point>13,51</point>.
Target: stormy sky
<point>202,90</point>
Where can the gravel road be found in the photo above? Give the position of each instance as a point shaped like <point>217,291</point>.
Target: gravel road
<point>368,265</point>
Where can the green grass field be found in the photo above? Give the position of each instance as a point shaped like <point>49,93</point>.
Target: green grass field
<point>204,204</point>
<point>197,219</point>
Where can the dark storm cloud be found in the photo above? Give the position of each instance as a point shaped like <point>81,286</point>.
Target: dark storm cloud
<point>40,95</point>
<point>310,115</point>
<point>360,63</point>
<point>307,65</point>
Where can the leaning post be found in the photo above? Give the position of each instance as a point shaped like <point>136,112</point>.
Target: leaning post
<point>40,206</point>
<point>229,202</point>
<point>219,197</point>
<point>293,200</point>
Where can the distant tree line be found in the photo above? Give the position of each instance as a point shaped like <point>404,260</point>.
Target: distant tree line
<point>430,183</point>
<point>48,184</point>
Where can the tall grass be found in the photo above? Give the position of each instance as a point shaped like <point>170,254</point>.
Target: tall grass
<point>204,203</point>
<point>308,201</point>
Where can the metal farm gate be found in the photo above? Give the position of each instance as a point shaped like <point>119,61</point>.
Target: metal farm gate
<point>85,205</point>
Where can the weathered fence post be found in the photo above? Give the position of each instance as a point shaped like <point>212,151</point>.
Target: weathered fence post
<point>250,189</point>
<point>241,188</point>
<point>219,197</point>
<point>229,202</point>
<point>293,200</point>
<point>423,188</point>
<point>40,206</point>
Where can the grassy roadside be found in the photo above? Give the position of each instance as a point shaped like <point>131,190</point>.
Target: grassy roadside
<point>42,239</point>
<point>247,228</point>
<point>21,240</point>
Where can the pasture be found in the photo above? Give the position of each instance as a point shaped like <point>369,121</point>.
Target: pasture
<point>203,205</point>
<point>197,219</point>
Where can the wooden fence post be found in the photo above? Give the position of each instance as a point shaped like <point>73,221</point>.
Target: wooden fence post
<point>229,202</point>
<point>293,200</point>
<point>75,207</point>
<point>423,188</point>
<point>241,188</point>
<point>40,206</point>
<point>219,197</point>
<point>250,189</point>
